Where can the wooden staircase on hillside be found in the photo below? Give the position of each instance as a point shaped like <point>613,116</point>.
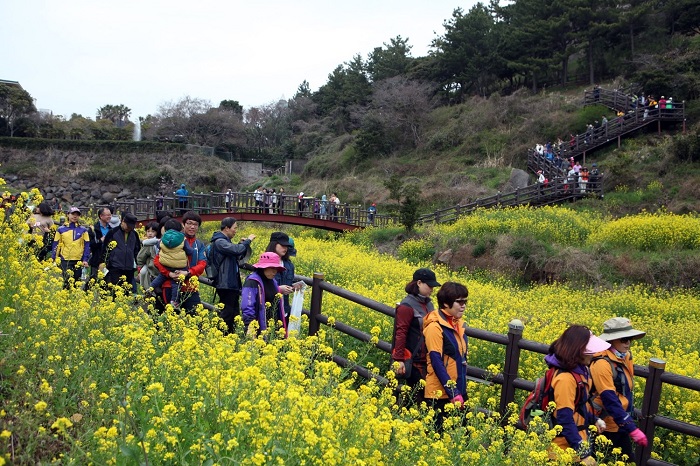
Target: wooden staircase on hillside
<point>634,118</point>
<point>558,190</point>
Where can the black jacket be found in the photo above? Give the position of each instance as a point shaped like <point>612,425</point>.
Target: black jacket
<point>123,255</point>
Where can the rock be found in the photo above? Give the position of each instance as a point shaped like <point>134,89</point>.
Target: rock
<point>445,257</point>
<point>75,186</point>
<point>124,193</point>
<point>67,197</point>
<point>518,179</point>
<point>96,193</point>
<point>107,197</point>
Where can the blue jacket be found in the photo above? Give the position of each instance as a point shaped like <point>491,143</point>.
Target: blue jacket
<point>225,256</point>
<point>253,303</point>
<point>182,193</point>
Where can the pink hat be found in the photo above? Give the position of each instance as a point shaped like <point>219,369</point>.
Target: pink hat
<point>595,345</point>
<point>270,259</point>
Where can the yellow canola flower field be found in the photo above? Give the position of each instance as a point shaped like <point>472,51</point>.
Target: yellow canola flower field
<point>87,379</point>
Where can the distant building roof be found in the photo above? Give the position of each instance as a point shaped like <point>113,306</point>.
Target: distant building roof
<point>10,83</point>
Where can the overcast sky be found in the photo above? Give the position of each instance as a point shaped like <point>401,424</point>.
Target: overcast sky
<point>74,56</point>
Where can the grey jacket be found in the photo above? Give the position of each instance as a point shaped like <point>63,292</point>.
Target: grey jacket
<point>225,257</point>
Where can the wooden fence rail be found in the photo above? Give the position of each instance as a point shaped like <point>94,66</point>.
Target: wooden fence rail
<point>557,190</point>
<point>654,373</point>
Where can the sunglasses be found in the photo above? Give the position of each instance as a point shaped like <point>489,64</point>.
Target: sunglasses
<point>625,340</point>
<point>461,301</point>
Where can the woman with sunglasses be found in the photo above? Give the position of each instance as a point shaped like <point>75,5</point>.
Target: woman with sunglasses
<point>613,377</point>
<point>446,343</point>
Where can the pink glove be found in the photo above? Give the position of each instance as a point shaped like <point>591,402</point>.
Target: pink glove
<point>639,437</point>
<point>459,399</point>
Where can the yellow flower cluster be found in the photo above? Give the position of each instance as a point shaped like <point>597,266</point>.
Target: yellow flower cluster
<point>116,383</point>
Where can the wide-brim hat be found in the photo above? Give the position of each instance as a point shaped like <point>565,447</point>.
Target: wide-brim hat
<point>620,327</point>
<point>269,260</point>
<point>595,345</point>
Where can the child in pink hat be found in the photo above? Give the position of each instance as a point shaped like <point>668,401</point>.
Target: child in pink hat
<point>260,298</point>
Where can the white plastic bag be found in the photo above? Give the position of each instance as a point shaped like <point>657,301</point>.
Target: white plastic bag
<point>295,313</point>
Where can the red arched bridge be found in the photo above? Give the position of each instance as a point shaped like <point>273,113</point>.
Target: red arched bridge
<point>306,211</point>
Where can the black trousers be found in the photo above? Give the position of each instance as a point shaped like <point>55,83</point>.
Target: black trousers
<point>121,277</point>
<point>622,441</point>
<point>232,307</point>
<point>71,269</point>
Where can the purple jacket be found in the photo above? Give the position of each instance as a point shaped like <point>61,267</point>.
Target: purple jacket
<point>253,304</point>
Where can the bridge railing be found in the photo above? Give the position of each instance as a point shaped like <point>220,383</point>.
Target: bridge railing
<point>621,102</point>
<point>654,373</point>
<point>212,203</point>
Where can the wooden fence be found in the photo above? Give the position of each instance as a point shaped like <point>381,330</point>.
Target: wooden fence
<point>557,190</point>
<point>654,373</point>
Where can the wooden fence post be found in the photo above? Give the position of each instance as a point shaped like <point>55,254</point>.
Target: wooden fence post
<point>316,301</point>
<point>650,407</point>
<point>510,369</point>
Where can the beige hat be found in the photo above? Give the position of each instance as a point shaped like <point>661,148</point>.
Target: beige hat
<point>620,327</point>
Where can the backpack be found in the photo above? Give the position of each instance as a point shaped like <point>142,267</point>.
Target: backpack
<point>619,380</point>
<point>211,269</point>
<point>536,402</point>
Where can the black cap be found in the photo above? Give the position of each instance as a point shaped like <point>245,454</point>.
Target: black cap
<point>426,276</point>
<point>280,238</point>
<point>129,219</point>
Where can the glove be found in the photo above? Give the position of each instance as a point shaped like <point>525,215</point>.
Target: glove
<point>639,437</point>
<point>600,424</point>
<point>589,461</point>
<point>458,399</point>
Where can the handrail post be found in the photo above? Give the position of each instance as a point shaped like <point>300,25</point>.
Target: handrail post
<point>510,369</point>
<point>316,301</point>
<point>650,407</point>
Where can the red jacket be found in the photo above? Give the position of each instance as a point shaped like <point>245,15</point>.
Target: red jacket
<point>197,263</point>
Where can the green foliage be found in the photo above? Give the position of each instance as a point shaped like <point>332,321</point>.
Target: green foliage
<point>119,147</point>
<point>371,140</point>
<point>416,251</point>
<point>589,114</point>
<point>395,186</point>
<point>408,212</point>
<point>686,147</point>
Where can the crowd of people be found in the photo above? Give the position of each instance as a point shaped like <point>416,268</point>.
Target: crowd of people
<point>594,375</point>
<point>166,264</point>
